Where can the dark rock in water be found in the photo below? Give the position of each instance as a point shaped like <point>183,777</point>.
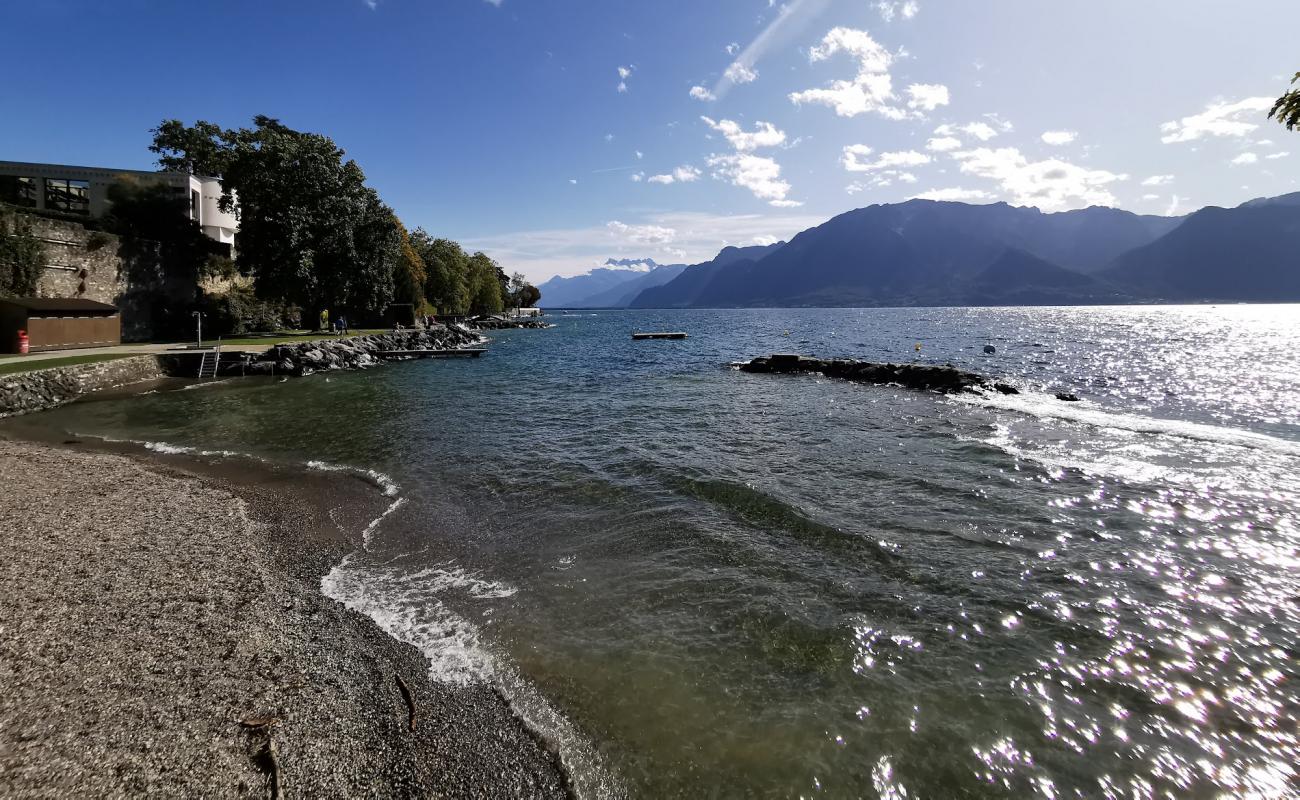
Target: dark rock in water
<point>1006,388</point>
<point>990,349</point>
<point>1067,397</point>
<point>945,379</point>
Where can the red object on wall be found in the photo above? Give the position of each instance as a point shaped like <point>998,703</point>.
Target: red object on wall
<point>23,343</point>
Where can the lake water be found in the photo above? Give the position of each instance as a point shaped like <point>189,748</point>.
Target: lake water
<point>706,583</point>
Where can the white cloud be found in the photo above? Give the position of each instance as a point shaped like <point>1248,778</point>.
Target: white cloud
<point>758,174</point>
<point>1158,180</point>
<point>927,96</point>
<point>639,155</point>
<point>700,93</point>
<point>980,130</point>
<point>765,240</point>
<point>573,181</point>
<point>952,194</point>
<point>1218,119</point>
<point>765,134</point>
<point>872,90</point>
<point>637,177</point>
<point>642,234</point>
<point>1245,158</point>
<point>623,74</point>
<point>1150,197</point>
<point>1174,204</point>
<point>854,155</point>
<point>905,9</point>
<point>732,48</point>
<point>683,174</point>
<point>609,137</point>
<point>1282,154</point>
<point>740,73</point>
<point>943,144</point>
<point>1050,184</point>
<point>1057,138</point>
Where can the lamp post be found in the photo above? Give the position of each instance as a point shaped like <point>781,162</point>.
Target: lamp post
<point>198,321</point>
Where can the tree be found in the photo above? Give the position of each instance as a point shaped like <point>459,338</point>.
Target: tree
<point>22,256</point>
<point>529,296</point>
<point>199,150</point>
<point>485,285</point>
<point>447,272</point>
<point>411,275</point>
<point>311,232</point>
<point>1287,108</point>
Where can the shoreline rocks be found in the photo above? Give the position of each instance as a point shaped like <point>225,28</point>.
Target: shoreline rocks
<point>39,389</point>
<point>494,323</point>
<point>355,352</point>
<point>945,378</point>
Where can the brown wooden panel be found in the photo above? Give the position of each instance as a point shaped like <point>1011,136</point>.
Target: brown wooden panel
<point>62,333</point>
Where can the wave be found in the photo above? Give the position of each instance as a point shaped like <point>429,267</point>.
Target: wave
<point>386,484</point>
<point>1045,406</point>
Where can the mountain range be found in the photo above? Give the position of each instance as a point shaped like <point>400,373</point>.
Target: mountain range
<point>924,252</point>
<point>613,285</point>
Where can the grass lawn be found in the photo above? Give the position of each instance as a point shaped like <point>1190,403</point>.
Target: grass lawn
<point>12,366</point>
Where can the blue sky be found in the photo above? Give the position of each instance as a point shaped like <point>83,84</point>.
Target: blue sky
<point>556,133</point>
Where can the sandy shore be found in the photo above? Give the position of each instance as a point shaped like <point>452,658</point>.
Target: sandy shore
<point>162,634</point>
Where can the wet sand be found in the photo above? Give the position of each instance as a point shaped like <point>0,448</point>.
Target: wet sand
<point>162,633</point>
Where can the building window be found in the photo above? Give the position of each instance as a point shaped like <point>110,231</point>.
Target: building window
<point>68,196</point>
<point>18,191</point>
<point>195,208</point>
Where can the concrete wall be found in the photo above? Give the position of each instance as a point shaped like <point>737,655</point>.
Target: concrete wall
<point>78,262</point>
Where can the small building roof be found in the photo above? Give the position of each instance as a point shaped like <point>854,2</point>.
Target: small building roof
<point>58,304</point>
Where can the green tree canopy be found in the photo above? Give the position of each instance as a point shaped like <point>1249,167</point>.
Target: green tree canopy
<point>447,285</point>
<point>310,231</point>
<point>1287,108</point>
<point>485,285</point>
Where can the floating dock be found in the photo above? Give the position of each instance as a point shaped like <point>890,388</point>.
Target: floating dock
<point>663,335</point>
<point>466,352</point>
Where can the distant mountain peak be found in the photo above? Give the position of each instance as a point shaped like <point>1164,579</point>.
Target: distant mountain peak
<point>631,264</point>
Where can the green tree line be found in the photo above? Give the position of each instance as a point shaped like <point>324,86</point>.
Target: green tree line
<point>313,235</point>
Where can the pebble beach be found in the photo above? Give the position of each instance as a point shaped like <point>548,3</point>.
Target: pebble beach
<point>162,633</point>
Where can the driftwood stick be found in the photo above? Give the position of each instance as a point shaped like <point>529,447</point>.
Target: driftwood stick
<point>410,700</point>
<point>271,754</point>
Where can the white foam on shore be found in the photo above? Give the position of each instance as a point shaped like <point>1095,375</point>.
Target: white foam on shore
<point>386,484</point>
<point>169,449</point>
<point>406,606</point>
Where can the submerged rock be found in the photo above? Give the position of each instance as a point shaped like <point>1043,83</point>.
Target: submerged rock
<point>945,379</point>
<point>1067,397</point>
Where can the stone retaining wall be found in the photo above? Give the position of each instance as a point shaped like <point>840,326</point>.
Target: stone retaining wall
<point>46,388</point>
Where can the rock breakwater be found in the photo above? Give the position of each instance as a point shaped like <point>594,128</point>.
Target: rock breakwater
<point>942,378</point>
<point>356,352</point>
<point>503,323</point>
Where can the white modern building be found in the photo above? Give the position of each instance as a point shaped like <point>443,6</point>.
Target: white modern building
<point>83,191</point>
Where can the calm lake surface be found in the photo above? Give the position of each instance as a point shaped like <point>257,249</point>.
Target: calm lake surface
<point>707,583</point>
